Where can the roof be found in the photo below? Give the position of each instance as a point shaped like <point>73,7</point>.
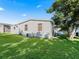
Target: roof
<point>35,20</point>
<point>5,24</point>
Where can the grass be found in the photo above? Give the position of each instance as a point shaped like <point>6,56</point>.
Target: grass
<point>19,47</point>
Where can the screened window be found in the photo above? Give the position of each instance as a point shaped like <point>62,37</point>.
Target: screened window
<point>40,27</point>
<point>26,27</point>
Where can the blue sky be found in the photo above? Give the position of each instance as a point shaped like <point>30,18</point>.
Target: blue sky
<point>15,11</point>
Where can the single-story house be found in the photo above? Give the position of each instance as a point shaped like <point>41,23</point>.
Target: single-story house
<point>34,28</point>
<point>5,27</point>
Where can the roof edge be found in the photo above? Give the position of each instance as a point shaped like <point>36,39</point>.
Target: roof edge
<point>5,24</point>
<point>34,20</point>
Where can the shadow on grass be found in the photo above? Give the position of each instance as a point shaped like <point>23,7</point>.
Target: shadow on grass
<point>35,48</point>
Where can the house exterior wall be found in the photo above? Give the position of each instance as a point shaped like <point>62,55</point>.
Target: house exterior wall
<point>1,28</point>
<point>33,28</point>
<point>5,28</point>
<point>14,29</point>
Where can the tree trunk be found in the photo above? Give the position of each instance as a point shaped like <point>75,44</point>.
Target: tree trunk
<point>72,32</point>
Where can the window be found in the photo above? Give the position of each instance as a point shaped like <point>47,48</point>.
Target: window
<point>14,28</point>
<point>26,27</point>
<point>39,27</point>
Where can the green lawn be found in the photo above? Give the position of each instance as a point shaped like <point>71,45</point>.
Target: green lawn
<point>19,47</point>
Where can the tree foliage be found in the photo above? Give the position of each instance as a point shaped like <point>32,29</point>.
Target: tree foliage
<point>66,13</point>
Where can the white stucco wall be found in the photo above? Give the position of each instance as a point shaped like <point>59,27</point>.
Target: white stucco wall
<point>14,30</point>
<point>1,28</point>
<point>33,28</point>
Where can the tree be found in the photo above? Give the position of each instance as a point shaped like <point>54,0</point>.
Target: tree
<point>66,14</point>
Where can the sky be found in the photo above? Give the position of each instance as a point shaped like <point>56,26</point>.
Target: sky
<point>15,11</point>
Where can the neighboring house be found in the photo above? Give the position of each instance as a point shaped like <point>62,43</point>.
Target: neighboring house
<point>5,27</point>
<point>34,28</point>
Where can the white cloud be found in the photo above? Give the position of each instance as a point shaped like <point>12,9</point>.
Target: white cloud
<point>38,6</point>
<point>2,9</point>
<point>24,15</point>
